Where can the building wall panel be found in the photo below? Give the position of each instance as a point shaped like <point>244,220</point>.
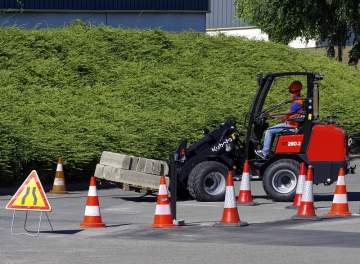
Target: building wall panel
<point>223,15</point>
<point>175,22</point>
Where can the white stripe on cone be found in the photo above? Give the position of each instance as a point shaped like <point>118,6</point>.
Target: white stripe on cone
<point>92,210</point>
<point>340,198</point>
<point>162,209</point>
<point>162,190</point>
<point>59,167</point>
<point>341,180</point>
<point>92,191</point>
<point>245,181</point>
<point>307,195</point>
<point>300,184</point>
<point>59,181</point>
<point>230,197</point>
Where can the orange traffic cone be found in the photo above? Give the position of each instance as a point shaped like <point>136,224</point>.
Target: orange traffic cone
<point>92,216</point>
<point>306,210</point>
<point>230,214</point>
<point>59,181</point>
<point>163,216</point>
<point>340,207</point>
<point>299,187</point>
<point>245,197</point>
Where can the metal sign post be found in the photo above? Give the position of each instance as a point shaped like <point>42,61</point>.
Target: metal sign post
<point>173,185</point>
<point>27,231</point>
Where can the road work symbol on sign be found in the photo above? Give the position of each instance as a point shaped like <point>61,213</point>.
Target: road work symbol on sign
<point>30,196</point>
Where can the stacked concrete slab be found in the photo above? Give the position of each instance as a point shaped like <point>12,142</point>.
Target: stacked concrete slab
<point>131,171</point>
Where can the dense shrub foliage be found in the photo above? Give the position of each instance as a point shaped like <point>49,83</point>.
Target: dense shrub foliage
<point>79,90</point>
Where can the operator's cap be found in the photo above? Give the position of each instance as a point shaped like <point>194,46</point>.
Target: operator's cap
<point>295,87</point>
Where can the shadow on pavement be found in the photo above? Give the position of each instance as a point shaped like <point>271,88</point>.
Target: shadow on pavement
<point>62,232</point>
<point>117,225</point>
<point>285,233</point>
<point>352,196</point>
<point>140,199</point>
<point>261,197</point>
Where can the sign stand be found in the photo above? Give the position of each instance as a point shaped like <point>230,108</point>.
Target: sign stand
<point>29,232</point>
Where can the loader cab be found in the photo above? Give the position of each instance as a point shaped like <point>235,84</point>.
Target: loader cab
<point>268,106</point>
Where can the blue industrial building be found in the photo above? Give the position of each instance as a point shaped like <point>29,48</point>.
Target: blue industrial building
<point>223,19</point>
<point>223,16</point>
<point>171,15</point>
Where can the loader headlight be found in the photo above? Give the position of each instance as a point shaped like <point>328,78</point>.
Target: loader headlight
<point>233,136</point>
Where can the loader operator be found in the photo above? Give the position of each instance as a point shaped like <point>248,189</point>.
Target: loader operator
<point>295,109</point>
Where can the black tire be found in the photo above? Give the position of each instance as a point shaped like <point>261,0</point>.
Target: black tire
<point>207,181</point>
<point>280,179</point>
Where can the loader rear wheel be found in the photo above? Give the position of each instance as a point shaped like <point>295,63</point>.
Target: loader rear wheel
<point>207,181</point>
<point>280,179</point>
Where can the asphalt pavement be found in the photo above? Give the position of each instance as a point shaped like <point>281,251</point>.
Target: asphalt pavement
<point>270,237</point>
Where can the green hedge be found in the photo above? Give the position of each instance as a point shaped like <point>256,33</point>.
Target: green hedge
<point>79,90</point>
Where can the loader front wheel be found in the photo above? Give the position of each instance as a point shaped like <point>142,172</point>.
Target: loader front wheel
<point>280,179</point>
<point>207,181</point>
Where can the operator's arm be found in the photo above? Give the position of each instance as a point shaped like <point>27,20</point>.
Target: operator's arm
<point>295,108</point>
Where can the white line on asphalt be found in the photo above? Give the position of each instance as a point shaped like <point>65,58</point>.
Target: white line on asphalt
<point>323,208</point>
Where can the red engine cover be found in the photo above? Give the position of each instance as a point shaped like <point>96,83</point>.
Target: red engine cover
<point>289,144</point>
<point>327,143</point>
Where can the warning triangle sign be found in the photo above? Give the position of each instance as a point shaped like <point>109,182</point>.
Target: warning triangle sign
<point>30,196</point>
